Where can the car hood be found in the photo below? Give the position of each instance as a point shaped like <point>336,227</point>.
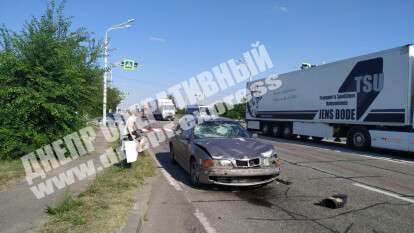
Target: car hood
<point>236,148</point>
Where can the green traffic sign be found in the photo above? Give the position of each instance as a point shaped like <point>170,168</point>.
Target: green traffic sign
<point>125,93</point>
<point>129,65</point>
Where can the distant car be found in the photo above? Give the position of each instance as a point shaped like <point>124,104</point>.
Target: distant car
<point>220,151</point>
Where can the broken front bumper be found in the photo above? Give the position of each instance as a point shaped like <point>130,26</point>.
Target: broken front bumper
<point>239,176</point>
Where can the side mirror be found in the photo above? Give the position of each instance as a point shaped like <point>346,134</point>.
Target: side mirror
<point>255,135</point>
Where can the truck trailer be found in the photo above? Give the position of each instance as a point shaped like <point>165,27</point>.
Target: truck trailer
<point>366,99</point>
<point>163,109</point>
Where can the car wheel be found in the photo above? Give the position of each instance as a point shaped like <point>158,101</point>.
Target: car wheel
<point>194,179</point>
<point>359,138</point>
<point>317,139</point>
<point>172,154</point>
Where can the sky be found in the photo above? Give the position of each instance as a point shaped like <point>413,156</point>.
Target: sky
<point>175,40</point>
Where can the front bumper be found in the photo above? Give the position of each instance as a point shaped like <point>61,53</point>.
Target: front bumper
<point>239,176</point>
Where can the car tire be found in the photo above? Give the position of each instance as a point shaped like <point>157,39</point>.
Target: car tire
<point>194,179</point>
<point>172,155</point>
<point>359,138</point>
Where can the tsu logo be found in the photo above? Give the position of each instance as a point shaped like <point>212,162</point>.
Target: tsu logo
<point>367,80</point>
<point>369,83</point>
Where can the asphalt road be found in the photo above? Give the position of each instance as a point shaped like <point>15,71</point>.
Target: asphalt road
<point>379,186</point>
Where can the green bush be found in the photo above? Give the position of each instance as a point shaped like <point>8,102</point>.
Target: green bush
<point>236,111</point>
<point>50,82</point>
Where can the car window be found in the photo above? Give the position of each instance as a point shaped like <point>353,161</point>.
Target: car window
<point>220,130</point>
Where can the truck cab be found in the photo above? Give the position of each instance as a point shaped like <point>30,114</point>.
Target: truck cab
<point>164,109</point>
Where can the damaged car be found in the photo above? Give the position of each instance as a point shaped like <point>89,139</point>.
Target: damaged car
<point>220,151</point>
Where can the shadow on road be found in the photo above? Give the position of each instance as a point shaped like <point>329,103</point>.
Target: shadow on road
<point>174,170</point>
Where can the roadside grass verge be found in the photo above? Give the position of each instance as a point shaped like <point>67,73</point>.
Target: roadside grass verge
<point>104,206</point>
<point>11,171</point>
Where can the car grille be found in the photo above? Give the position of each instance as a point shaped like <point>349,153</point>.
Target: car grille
<point>248,163</point>
<point>239,179</point>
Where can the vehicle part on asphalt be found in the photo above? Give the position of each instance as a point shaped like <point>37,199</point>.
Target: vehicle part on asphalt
<point>335,201</point>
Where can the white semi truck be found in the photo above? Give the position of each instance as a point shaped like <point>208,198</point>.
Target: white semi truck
<point>368,100</point>
<point>163,109</point>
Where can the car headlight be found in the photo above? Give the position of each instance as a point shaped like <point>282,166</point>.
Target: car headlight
<point>268,153</point>
<point>223,163</point>
<point>269,157</point>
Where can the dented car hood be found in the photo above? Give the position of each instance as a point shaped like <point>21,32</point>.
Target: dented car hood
<point>233,148</point>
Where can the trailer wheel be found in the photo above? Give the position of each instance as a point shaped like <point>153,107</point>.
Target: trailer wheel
<point>276,130</point>
<point>317,139</point>
<point>359,138</point>
<point>266,129</point>
<point>287,132</point>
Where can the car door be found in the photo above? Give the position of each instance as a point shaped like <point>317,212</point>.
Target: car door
<point>183,144</point>
<point>177,144</point>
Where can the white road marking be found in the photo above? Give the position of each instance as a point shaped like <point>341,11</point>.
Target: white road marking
<point>203,220</point>
<point>171,180</point>
<point>167,176</point>
<point>384,192</point>
<point>198,214</point>
<point>386,159</point>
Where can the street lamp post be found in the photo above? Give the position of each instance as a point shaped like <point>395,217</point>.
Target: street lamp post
<point>126,24</point>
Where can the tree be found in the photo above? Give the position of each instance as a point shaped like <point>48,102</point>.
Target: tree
<point>114,97</point>
<point>236,111</point>
<point>49,82</point>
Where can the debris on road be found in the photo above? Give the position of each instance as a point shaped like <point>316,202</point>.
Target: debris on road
<point>335,201</point>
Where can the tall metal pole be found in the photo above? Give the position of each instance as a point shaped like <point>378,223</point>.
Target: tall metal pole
<point>105,78</point>
<point>106,66</point>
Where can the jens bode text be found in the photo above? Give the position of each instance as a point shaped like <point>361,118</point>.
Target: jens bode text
<point>337,114</point>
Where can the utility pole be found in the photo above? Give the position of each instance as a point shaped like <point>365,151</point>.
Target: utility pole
<point>105,81</point>
<point>126,24</point>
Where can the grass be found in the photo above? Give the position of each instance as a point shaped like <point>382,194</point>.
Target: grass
<point>10,172</point>
<point>104,206</point>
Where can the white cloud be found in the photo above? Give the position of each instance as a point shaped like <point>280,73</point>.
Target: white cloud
<point>278,8</point>
<point>283,8</point>
<point>158,39</point>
